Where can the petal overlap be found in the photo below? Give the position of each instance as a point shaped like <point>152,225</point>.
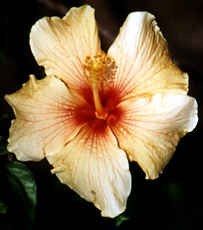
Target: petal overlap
<point>144,63</point>
<point>45,118</point>
<point>93,166</point>
<point>148,130</point>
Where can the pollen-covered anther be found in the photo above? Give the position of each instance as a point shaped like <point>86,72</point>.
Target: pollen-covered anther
<point>99,69</point>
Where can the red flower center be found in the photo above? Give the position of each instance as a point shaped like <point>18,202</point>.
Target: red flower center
<point>100,94</point>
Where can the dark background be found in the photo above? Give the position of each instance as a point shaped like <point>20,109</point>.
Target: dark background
<point>173,201</point>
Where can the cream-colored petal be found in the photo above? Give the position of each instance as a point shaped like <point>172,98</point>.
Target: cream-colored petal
<point>93,166</point>
<point>62,45</point>
<point>46,118</point>
<point>144,64</point>
<point>149,129</point>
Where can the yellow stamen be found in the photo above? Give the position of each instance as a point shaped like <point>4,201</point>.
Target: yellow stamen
<point>100,69</point>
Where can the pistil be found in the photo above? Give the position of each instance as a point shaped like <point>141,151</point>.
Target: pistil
<point>99,70</point>
<point>101,112</point>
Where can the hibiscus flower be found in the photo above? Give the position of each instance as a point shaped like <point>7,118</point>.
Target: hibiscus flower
<point>95,110</point>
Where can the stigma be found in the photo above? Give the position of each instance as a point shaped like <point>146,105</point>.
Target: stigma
<point>99,72</point>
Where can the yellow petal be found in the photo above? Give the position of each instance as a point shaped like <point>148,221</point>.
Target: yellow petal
<point>62,45</point>
<point>150,129</point>
<point>93,166</point>
<point>144,64</point>
<point>45,118</point>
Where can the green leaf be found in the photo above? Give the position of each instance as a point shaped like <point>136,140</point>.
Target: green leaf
<point>3,148</point>
<point>119,219</point>
<point>20,191</point>
<point>3,140</point>
<point>3,208</point>
<point>7,116</point>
